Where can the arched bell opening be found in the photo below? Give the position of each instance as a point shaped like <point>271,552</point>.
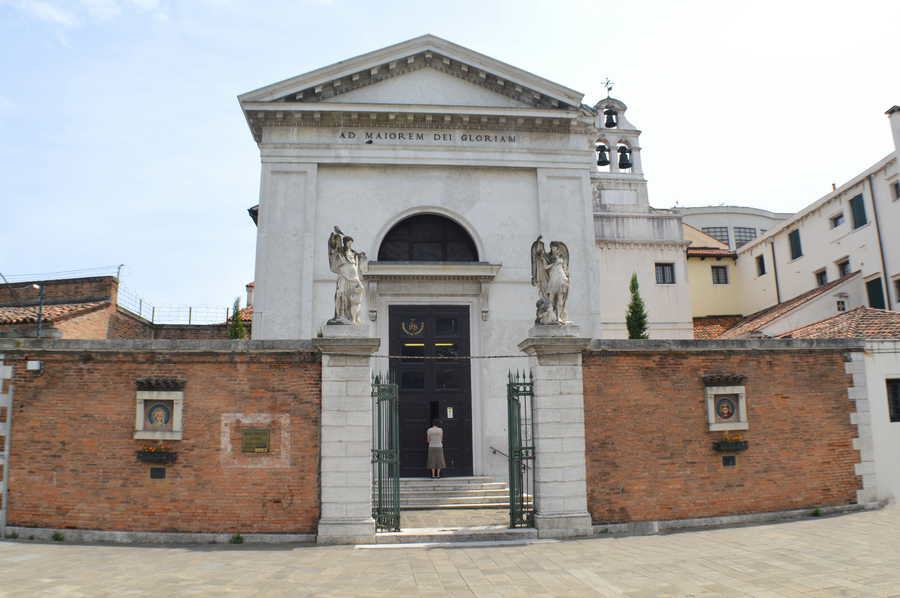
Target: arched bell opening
<point>623,157</point>
<point>610,118</point>
<point>427,238</point>
<point>603,155</point>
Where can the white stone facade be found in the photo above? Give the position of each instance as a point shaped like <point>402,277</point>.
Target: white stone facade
<point>429,127</point>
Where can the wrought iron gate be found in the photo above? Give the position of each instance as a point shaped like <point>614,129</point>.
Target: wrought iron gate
<point>385,455</point>
<point>520,413</point>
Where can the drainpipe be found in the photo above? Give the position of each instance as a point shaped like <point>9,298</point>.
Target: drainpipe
<point>884,276</point>
<point>775,271</point>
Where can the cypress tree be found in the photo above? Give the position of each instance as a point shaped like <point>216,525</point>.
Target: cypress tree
<point>236,328</point>
<point>636,317</point>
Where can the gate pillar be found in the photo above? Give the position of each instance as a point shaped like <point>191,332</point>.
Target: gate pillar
<point>346,436</point>
<point>560,472</point>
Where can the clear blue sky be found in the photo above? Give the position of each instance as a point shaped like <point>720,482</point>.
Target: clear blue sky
<point>121,139</point>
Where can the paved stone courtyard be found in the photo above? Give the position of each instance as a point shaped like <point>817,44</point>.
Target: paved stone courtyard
<point>850,555</point>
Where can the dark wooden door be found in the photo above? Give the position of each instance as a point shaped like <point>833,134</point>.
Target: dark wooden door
<point>432,388</point>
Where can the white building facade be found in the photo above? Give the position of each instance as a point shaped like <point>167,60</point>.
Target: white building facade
<point>445,165</point>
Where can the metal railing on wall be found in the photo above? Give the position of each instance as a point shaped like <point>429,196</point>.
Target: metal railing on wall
<point>171,314</point>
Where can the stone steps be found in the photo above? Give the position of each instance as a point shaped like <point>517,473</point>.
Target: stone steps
<point>488,533</point>
<point>473,492</point>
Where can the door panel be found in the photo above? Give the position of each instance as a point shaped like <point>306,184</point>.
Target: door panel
<point>432,388</point>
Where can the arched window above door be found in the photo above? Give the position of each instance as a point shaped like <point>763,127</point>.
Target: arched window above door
<point>427,238</point>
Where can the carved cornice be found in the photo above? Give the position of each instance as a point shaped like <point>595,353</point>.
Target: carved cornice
<point>620,243</point>
<point>353,117</point>
<point>417,61</point>
<point>431,271</point>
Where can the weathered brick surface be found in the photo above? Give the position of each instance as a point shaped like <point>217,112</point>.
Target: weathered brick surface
<point>68,290</point>
<point>650,455</point>
<point>90,325</point>
<point>73,461</point>
<point>123,325</point>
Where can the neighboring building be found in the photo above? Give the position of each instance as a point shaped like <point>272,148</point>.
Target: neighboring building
<point>445,165</point>
<point>733,225</point>
<point>89,308</point>
<point>852,228</point>
<point>881,330</point>
<point>711,274</point>
<point>838,296</point>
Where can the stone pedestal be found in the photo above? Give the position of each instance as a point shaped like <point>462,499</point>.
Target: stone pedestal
<point>346,462</point>
<point>560,476</point>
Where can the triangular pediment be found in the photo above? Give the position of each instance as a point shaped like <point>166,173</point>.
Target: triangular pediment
<point>425,70</point>
<point>428,86</point>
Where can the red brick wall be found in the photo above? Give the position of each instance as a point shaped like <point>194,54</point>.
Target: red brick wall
<point>649,451</point>
<point>123,325</point>
<point>91,325</point>
<point>69,290</point>
<point>73,461</point>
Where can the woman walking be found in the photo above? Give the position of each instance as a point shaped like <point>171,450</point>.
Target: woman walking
<point>435,437</point>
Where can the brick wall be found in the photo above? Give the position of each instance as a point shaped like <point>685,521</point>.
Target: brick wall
<point>73,461</point>
<point>649,451</point>
<point>69,290</point>
<point>123,325</point>
<point>93,324</point>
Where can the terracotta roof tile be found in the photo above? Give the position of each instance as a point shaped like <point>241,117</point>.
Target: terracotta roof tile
<point>862,322</point>
<point>247,314</point>
<point>51,313</point>
<point>755,321</point>
<point>710,327</point>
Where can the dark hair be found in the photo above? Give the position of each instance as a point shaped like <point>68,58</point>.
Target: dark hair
<point>436,423</point>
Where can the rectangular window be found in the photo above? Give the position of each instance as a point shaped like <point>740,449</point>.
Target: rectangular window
<point>720,274</point>
<point>843,267</point>
<point>858,211</point>
<point>760,265</point>
<point>841,305</point>
<point>822,277</point>
<point>893,393</point>
<point>743,235</point>
<point>719,233</point>
<point>837,220</point>
<point>875,293</point>
<point>665,273</point>
<point>896,186</point>
<point>796,248</point>
<point>897,290</point>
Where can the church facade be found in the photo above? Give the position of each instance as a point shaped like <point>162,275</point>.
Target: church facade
<point>444,166</point>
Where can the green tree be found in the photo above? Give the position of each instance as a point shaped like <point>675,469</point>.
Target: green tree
<point>236,328</point>
<point>636,317</point>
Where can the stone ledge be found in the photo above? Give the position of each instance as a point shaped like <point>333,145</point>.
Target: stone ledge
<point>88,536</point>
<point>661,345</point>
<point>157,345</point>
<point>647,528</point>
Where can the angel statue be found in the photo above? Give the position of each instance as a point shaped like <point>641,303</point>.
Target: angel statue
<point>348,264</point>
<point>550,274</point>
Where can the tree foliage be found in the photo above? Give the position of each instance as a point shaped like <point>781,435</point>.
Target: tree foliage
<point>236,329</point>
<point>636,317</point>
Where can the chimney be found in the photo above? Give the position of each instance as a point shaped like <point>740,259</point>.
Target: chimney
<point>250,287</point>
<point>894,116</point>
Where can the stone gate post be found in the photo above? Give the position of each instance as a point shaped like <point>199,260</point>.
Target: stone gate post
<point>346,440</point>
<point>560,477</point>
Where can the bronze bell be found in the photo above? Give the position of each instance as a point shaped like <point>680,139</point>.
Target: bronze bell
<point>602,155</point>
<point>611,118</point>
<point>624,158</point>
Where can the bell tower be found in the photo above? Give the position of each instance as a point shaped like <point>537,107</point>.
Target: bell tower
<point>631,236</point>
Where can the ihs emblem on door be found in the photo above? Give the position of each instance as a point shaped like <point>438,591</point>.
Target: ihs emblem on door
<point>413,327</point>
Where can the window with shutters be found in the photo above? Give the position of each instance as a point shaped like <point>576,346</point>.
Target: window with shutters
<point>858,211</point>
<point>837,220</point>
<point>794,240</point>
<point>821,277</point>
<point>893,392</point>
<point>760,265</point>
<point>843,267</point>
<point>665,273</point>
<point>720,274</point>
